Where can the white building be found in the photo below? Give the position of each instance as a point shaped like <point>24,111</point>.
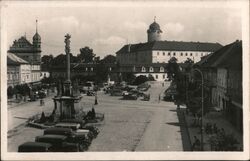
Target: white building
<point>156,51</point>
<point>18,70</point>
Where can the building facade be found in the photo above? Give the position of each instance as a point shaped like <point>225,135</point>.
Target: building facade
<point>156,51</point>
<point>18,70</point>
<point>222,72</point>
<point>30,52</point>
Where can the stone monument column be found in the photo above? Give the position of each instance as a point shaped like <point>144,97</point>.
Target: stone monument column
<point>67,83</point>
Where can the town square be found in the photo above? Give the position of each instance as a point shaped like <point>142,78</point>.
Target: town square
<point>125,78</point>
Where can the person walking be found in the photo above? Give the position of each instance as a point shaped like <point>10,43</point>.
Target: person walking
<point>197,144</point>
<point>159,98</point>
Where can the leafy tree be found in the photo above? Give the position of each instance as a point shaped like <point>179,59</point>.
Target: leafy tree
<point>86,55</point>
<point>46,59</point>
<point>10,92</point>
<point>59,60</point>
<point>151,78</point>
<point>189,62</point>
<point>62,59</point>
<point>140,79</point>
<point>172,69</point>
<point>109,59</point>
<point>101,72</point>
<point>128,77</point>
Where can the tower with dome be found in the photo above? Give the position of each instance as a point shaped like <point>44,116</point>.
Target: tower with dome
<point>154,32</point>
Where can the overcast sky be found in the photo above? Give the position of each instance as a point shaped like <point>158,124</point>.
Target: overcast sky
<point>106,28</point>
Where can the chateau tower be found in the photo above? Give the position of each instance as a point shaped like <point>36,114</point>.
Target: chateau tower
<point>154,32</point>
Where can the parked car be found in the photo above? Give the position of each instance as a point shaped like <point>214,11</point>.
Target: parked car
<point>130,96</point>
<point>34,147</point>
<point>73,126</point>
<point>88,86</point>
<point>90,93</point>
<point>73,137</point>
<point>76,128</point>
<point>42,94</point>
<point>59,143</point>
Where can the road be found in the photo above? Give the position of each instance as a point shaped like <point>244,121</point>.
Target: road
<point>129,125</point>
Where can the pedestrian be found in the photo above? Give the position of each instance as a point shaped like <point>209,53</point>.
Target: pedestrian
<point>196,145</point>
<point>41,102</point>
<point>159,98</point>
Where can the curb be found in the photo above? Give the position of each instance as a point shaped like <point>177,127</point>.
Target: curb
<point>186,125</point>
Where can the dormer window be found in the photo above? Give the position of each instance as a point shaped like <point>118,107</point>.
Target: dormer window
<point>143,69</point>
<point>151,69</point>
<point>161,69</point>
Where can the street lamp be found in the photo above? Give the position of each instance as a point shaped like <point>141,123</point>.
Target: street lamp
<point>202,104</point>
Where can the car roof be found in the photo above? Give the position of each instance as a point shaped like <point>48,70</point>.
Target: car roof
<point>53,136</point>
<point>35,144</point>
<point>59,129</point>
<point>69,124</point>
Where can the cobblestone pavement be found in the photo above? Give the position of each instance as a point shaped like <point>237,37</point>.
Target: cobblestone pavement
<point>129,125</point>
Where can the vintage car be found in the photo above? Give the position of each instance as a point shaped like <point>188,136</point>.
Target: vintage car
<point>73,137</point>
<point>59,143</point>
<point>34,147</point>
<point>130,96</point>
<point>73,126</point>
<point>88,86</point>
<point>78,121</point>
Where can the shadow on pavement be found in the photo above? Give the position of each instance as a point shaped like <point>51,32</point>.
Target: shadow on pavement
<point>174,123</point>
<point>186,143</point>
<point>173,110</point>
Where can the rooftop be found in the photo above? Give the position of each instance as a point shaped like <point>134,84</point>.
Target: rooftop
<point>12,59</point>
<point>171,46</point>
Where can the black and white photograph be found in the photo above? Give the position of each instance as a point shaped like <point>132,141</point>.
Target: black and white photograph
<point>112,80</point>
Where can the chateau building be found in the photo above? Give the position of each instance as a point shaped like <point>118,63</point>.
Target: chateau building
<point>30,52</point>
<point>152,56</point>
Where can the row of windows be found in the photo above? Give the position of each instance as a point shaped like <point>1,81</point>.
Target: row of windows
<point>181,54</point>
<point>163,76</point>
<point>13,76</point>
<point>151,69</point>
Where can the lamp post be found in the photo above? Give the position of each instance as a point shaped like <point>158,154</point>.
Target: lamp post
<point>202,104</point>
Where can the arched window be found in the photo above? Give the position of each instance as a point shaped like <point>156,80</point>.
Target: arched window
<point>161,69</point>
<point>143,69</point>
<point>151,69</point>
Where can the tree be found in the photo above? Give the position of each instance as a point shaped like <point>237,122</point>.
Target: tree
<point>46,59</point>
<point>151,78</point>
<point>109,59</point>
<point>140,79</point>
<point>189,62</point>
<point>10,92</point>
<point>172,69</point>
<point>128,77</point>
<point>86,55</point>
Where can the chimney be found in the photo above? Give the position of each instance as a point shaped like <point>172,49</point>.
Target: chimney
<point>129,45</point>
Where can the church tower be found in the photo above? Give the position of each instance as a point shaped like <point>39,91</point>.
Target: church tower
<point>154,32</point>
<point>37,40</point>
<point>37,46</point>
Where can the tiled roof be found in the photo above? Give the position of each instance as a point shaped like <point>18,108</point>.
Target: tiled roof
<point>12,59</point>
<point>171,45</point>
<point>232,58</point>
<point>229,56</point>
